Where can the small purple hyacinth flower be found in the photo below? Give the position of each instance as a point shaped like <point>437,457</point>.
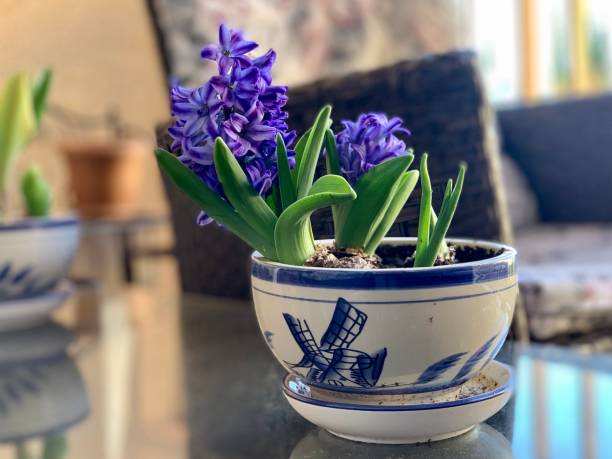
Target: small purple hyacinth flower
<point>231,49</point>
<point>241,87</point>
<point>264,64</point>
<point>241,106</point>
<point>248,129</point>
<point>368,142</point>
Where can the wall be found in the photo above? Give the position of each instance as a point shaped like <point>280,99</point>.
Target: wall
<point>314,38</point>
<point>104,55</point>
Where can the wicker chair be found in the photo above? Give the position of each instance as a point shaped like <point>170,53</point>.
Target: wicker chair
<point>441,100</point>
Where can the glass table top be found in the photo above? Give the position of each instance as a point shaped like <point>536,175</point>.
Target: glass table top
<point>147,373</point>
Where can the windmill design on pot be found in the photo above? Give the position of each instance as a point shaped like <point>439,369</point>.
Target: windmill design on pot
<point>331,360</point>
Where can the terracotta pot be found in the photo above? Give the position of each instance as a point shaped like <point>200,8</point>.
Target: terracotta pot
<point>106,175</point>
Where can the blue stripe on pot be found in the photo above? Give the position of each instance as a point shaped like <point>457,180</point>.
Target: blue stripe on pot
<point>302,397</point>
<point>39,223</point>
<point>498,268</point>
<point>431,300</point>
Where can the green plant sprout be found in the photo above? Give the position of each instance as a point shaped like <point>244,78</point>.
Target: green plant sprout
<point>35,192</point>
<point>55,447</point>
<point>432,229</point>
<point>22,104</point>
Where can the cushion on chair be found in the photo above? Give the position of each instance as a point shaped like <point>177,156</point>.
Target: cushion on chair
<point>565,150</point>
<point>565,273</point>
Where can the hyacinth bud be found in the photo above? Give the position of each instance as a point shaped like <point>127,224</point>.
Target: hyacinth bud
<point>35,193</point>
<point>368,142</point>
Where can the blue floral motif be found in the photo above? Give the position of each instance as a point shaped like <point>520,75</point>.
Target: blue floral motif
<point>331,361</point>
<point>467,367</point>
<point>435,370</point>
<point>17,384</point>
<point>18,282</point>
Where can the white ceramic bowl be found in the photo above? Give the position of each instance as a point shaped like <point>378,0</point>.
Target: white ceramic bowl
<point>400,419</point>
<point>35,254</point>
<point>387,331</point>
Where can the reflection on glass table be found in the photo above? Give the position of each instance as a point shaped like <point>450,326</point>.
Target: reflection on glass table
<point>563,405</point>
<point>558,410</point>
<point>152,374</point>
<point>42,394</point>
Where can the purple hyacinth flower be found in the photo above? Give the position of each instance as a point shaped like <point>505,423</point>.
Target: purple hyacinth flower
<point>247,130</point>
<point>231,49</point>
<point>195,106</point>
<point>241,86</point>
<point>368,142</point>
<point>241,106</point>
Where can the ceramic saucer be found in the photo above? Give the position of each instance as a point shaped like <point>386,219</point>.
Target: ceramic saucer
<point>403,419</point>
<point>43,342</point>
<point>22,313</point>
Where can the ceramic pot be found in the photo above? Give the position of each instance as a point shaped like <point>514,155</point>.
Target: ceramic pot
<point>106,176</point>
<point>387,331</point>
<point>35,254</point>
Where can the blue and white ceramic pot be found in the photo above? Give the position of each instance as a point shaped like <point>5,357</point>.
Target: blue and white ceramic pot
<point>387,331</point>
<point>35,254</point>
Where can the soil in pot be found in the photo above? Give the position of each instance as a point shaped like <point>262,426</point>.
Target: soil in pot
<point>391,256</point>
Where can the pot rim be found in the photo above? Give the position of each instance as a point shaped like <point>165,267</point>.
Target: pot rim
<point>37,223</point>
<point>508,253</point>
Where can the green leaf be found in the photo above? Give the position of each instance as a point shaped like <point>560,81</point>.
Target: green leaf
<point>242,196</point>
<point>433,221</point>
<point>401,192</point>
<point>56,447</point>
<point>308,162</point>
<point>293,236</point>
<point>332,164</point>
<point>36,193</point>
<point>211,203</point>
<point>273,200</point>
<point>299,153</point>
<point>40,91</point>
<point>17,122</point>
<point>449,206</point>
<point>424,214</point>
<point>331,157</point>
<point>356,221</point>
<point>287,189</point>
